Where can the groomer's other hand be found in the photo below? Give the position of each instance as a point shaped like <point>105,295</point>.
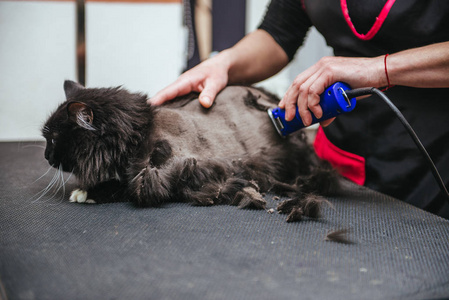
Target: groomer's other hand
<point>307,87</point>
<point>208,78</point>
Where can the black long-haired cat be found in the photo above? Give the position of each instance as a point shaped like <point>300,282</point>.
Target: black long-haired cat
<point>122,149</point>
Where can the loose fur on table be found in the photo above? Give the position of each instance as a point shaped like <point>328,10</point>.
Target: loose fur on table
<point>122,149</point>
<point>339,236</point>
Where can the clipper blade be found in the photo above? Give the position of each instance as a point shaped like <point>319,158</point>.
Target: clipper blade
<point>276,122</point>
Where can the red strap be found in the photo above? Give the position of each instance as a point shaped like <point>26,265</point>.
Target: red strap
<point>349,165</point>
<point>377,24</point>
<point>386,74</point>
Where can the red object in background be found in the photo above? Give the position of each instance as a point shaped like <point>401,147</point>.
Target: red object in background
<point>349,165</point>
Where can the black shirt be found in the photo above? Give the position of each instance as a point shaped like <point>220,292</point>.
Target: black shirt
<point>393,163</point>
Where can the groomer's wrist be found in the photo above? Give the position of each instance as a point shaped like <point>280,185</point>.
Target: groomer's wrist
<point>228,60</point>
<point>381,76</point>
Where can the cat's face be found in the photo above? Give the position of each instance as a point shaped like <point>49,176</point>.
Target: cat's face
<point>55,145</point>
<point>95,131</point>
<point>68,130</point>
<point>66,134</point>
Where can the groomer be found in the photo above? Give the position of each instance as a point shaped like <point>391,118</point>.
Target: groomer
<point>401,46</point>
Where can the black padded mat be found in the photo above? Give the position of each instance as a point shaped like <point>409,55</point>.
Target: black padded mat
<point>53,249</point>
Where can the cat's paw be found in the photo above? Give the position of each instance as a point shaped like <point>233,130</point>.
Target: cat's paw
<point>80,196</point>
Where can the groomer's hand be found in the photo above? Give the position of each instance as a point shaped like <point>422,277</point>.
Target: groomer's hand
<point>208,78</point>
<point>307,87</point>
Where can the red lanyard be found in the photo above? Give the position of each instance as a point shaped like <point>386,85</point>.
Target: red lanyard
<point>377,24</point>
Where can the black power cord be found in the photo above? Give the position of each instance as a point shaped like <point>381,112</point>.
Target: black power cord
<point>370,91</point>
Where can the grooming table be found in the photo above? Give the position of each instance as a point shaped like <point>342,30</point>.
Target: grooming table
<point>53,249</point>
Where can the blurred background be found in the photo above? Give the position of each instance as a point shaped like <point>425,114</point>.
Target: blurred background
<point>142,45</point>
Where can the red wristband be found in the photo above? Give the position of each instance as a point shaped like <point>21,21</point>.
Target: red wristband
<point>386,74</point>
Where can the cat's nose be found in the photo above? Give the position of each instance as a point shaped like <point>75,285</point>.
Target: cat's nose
<point>49,156</point>
<point>52,163</point>
<point>51,160</point>
<point>47,153</point>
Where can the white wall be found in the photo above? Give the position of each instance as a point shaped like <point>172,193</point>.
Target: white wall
<point>37,52</point>
<point>138,45</point>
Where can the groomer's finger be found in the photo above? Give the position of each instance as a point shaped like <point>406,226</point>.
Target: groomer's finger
<point>317,87</point>
<point>291,96</point>
<point>178,88</point>
<point>290,99</point>
<point>303,110</point>
<point>161,97</point>
<point>304,98</point>
<point>290,111</point>
<point>209,92</point>
<point>313,103</point>
<point>289,103</point>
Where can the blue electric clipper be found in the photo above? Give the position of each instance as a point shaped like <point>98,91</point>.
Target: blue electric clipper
<point>333,101</point>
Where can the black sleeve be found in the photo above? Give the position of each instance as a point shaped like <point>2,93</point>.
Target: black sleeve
<point>287,22</point>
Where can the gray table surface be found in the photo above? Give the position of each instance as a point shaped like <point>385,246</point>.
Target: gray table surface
<point>53,249</point>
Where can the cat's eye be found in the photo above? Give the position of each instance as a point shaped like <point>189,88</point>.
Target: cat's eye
<point>53,141</point>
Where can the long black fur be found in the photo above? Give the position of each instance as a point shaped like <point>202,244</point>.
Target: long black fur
<point>122,149</point>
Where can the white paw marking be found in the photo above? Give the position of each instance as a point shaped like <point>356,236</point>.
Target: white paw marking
<point>80,196</point>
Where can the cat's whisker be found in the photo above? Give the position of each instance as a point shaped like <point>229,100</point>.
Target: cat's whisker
<point>63,183</point>
<point>42,175</point>
<point>45,191</point>
<point>55,185</point>
<point>59,183</point>
<point>33,146</point>
<point>71,173</point>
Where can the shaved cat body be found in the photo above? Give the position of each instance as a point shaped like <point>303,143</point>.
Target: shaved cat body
<point>229,128</point>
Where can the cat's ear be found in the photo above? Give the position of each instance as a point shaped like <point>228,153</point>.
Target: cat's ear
<point>81,114</point>
<point>71,88</point>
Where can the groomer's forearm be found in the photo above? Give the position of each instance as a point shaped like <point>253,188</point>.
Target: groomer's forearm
<point>425,67</point>
<point>256,57</point>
